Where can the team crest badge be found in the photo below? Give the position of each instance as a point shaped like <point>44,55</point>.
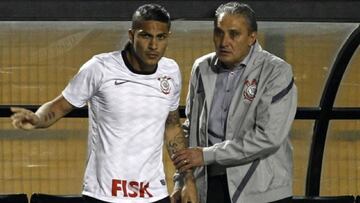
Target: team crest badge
<point>164,84</point>
<point>250,89</point>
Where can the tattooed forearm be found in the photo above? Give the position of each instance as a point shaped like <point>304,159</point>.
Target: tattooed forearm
<point>178,142</point>
<point>173,118</point>
<point>49,116</point>
<point>52,111</point>
<point>174,136</point>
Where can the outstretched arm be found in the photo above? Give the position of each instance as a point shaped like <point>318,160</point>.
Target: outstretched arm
<point>44,117</point>
<point>175,140</point>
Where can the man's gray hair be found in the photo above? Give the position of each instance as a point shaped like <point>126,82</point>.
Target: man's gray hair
<point>237,8</point>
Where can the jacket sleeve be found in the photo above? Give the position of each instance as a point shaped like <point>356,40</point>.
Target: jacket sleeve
<point>190,96</point>
<point>267,129</point>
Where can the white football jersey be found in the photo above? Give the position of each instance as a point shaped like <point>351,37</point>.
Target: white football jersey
<point>127,114</point>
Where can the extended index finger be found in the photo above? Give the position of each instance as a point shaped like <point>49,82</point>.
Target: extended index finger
<point>17,109</point>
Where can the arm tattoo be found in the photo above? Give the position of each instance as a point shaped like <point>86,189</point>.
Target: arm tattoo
<point>49,116</point>
<point>177,143</point>
<point>173,118</point>
<point>175,138</point>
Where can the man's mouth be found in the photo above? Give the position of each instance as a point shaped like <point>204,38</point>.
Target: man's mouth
<point>224,52</point>
<point>152,55</point>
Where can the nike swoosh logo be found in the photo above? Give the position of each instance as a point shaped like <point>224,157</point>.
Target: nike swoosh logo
<point>120,82</point>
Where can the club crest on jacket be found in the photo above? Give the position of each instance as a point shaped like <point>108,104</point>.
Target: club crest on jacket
<point>250,89</point>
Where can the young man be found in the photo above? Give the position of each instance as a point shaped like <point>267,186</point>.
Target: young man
<point>133,98</point>
<point>240,107</point>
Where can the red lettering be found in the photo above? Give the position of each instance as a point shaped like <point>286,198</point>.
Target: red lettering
<point>133,186</point>
<point>115,187</point>
<point>124,187</point>
<point>143,189</point>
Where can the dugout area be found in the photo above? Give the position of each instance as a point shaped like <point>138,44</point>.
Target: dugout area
<point>43,44</point>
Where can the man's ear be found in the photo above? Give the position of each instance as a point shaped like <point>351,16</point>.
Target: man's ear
<point>131,34</point>
<point>253,37</point>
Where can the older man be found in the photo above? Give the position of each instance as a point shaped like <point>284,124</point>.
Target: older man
<point>240,107</point>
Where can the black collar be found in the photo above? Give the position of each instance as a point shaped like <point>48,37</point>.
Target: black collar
<point>129,66</point>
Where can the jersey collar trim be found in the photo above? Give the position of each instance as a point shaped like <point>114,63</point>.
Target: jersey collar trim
<point>129,66</point>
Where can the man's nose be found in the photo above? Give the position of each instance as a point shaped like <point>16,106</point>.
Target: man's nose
<point>225,39</point>
<point>153,44</point>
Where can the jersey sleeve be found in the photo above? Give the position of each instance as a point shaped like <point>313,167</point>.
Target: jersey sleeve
<point>84,84</point>
<point>177,89</point>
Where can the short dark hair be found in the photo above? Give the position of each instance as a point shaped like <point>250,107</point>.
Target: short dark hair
<point>237,8</point>
<point>150,12</point>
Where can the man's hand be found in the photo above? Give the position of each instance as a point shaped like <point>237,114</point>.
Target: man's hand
<point>188,158</point>
<point>175,196</point>
<point>188,193</point>
<point>24,119</point>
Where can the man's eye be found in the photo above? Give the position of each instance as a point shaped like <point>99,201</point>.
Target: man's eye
<point>234,34</point>
<point>145,36</point>
<point>161,37</point>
